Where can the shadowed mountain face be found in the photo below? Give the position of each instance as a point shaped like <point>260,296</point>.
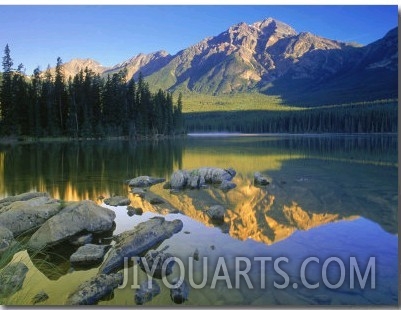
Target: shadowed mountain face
<point>272,58</point>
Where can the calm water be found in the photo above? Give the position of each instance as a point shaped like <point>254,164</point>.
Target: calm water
<point>331,196</point>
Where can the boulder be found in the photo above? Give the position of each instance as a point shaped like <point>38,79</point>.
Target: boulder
<point>197,178</point>
<point>11,278</point>
<point>81,239</point>
<point>146,291</point>
<point>227,185</point>
<point>6,239</point>
<point>75,218</point>
<point>91,291</point>
<point>23,216</point>
<point>131,211</point>
<point>179,294</point>
<point>117,201</point>
<point>216,213</point>
<point>138,192</point>
<point>22,197</point>
<point>88,255</point>
<point>144,181</point>
<point>139,240</point>
<point>261,180</point>
<point>153,257</point>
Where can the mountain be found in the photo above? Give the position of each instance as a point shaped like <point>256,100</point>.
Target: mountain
<point>272,58</point>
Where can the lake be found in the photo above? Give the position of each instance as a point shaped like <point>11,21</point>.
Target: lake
<point>330,212</point>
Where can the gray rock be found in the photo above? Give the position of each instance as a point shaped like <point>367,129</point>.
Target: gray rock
<point>196,255</point>
<point>156,201</point>
<point>81,240</point>
<point>22,216</point>
<point>117,201</point>
<point>73,219</point>
<point>11,278</point>
<point>6,239</point>
<point>153,257</point>
<point>227,185</point>
<point>40,297</point>
<point>131,211</point>
<point>146,291</point>
<point>137,241</point>
<point>89,254</point>
<point>91,291</point>
<point>144,181</point>
<point>180,294</point>
<point>197,178</point>
<point>216,213</point>
<point>261,180</point>
<point>22,197</point>
<point>138,192</point>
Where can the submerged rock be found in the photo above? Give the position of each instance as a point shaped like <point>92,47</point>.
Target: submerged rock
<point>22,216</point>
<point>216,213</point>
<point>75,218</point>
<point>117,201</point>
<point>40,297</point>
<point>197,178</point>
<point>181,293</point>
<point>156,257</point>
<point>138,192</point>
<point>11,278</point>
<point>144,181</point>
<point>146,291</point>
<point>139,240</point>
<point>89,254</point>
<point>91,291</point>
<point>261,180</point>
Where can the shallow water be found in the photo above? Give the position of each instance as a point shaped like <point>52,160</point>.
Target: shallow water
<point>331,196</point>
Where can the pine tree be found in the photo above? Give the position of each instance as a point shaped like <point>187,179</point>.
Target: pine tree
<point>6,99</point>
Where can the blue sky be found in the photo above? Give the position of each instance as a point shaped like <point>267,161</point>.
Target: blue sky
<point>38,34</point>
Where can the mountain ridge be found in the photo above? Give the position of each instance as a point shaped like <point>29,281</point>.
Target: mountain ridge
<point>270,57</point>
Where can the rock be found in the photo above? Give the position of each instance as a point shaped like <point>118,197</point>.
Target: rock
<point>6,239</point>
<point>156,257</point>
<point>22,197</point>
<point>180,294</point>
<point>196,255</point>
<point>146,291</point>
<point>40,297</point>
<point>81,240</point>
<point>89,254</point>
<point>261,180</point>
<point>138,192</point>
<point>227,185</point>
<point>216,213</point>
<point>156,201</point>
<point>91,291</point>
<point>137,241</point>
<point>197,178</point>
<point>131,211</point>
<point>73,219</point>
<point>167,185</point>
<point>144,181</point>
<point>11,278</point>
<point>117,201</point>
<point>23,216</point>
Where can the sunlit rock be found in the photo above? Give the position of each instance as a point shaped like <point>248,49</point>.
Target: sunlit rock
<point>89,254</point>
<point>73,219</point>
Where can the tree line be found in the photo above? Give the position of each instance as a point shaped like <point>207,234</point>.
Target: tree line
<point>85,105</point>
<point>380,117</point>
